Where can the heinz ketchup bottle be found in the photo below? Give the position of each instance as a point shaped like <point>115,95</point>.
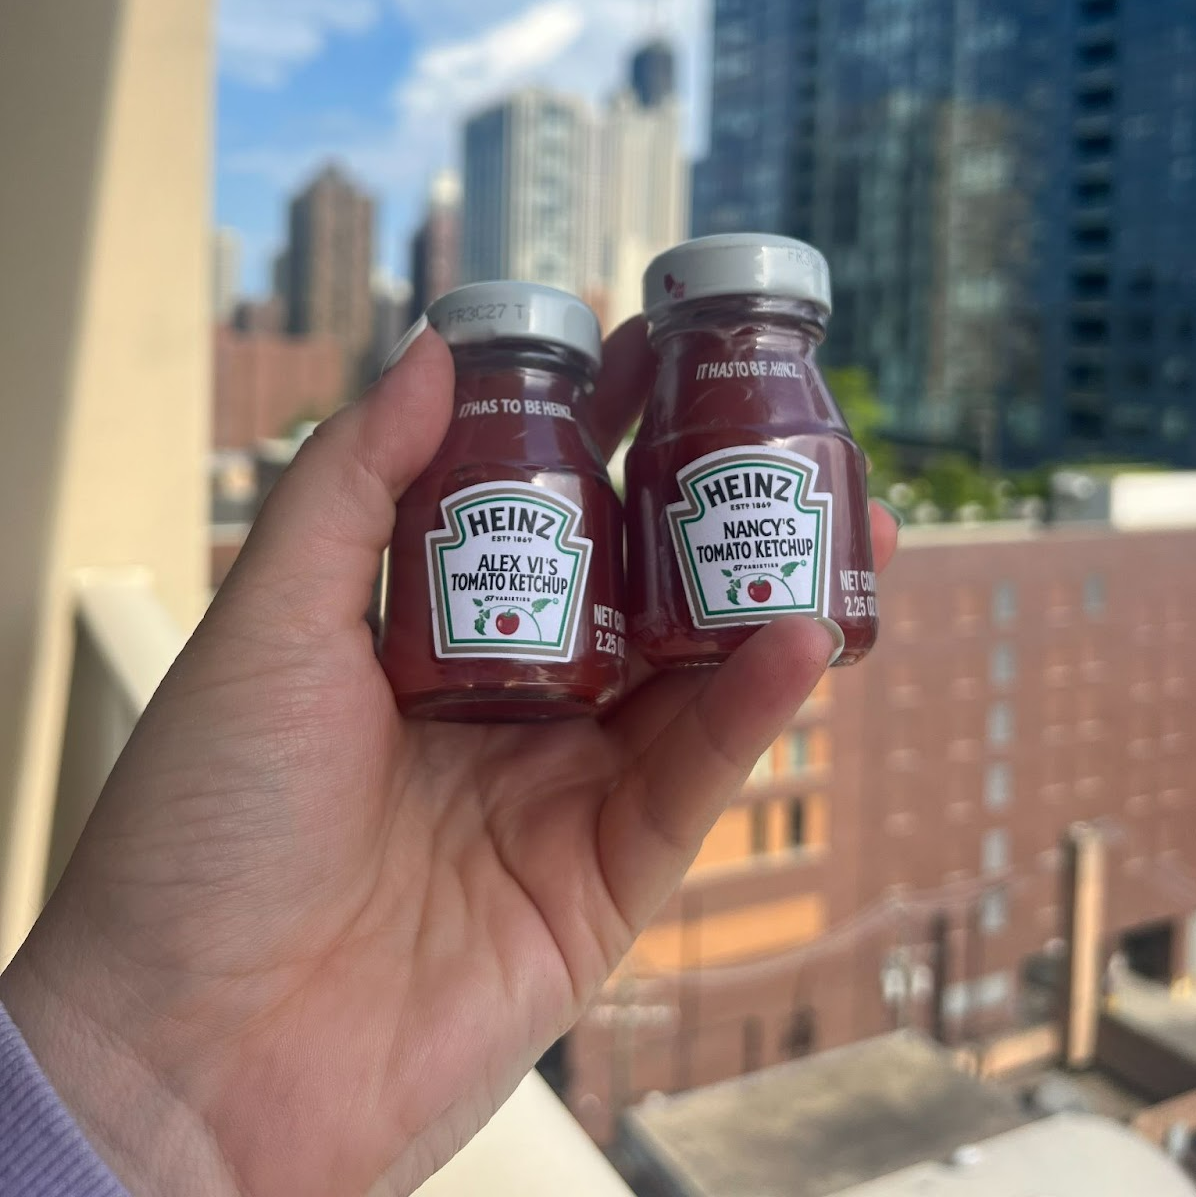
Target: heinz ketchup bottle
<point>505,582</point>
<point>746,495</point>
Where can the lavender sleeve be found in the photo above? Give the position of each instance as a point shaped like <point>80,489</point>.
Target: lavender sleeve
<point>42,1152</point>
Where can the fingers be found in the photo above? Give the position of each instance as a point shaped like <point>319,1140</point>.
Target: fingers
<point>884,535</point>
<point>678,783</point>
<point>310,562</point>
<point>884,545</point>
<point>628,369</point>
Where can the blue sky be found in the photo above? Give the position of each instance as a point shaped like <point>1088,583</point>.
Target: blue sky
<point>383,85</point>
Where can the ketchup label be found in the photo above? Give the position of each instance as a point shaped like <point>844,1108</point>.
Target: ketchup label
<point>507,574</point>
<point>751,535</point>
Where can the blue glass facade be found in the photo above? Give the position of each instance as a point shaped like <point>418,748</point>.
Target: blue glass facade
<point>1001,187</point>
<point>1120,360</point>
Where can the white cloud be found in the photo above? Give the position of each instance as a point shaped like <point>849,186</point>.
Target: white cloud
<point>262,41</point>
<point>463,61</point>
<point>460,74</point>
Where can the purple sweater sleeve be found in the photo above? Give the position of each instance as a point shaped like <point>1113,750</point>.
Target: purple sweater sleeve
<point>42,1152</point>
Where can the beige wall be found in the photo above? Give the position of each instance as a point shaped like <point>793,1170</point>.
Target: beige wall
<point>104,334</point>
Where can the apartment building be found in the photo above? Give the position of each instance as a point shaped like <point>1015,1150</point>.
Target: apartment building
<point>895,857</point>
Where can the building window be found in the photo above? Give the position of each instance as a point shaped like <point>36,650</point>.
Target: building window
<point>994,850</point>
<point>1142,281</point>
<point>1002,665</point>
<point>1140,328</point>
<point>797,823</point>
<point>1000,724</point>
<point>759,819</point>
<point>797,750</point>
<point>1138,374</point>
<point>994,911</point>
<point>801,1033</point>
<point>1094,595</point>
<point>1089,332</point>
<point>997,786</point>
<point>1093,192</point>
<point>1086,375</point>
<point>1090,284</point>
<point>1097,54</point>
<point>1004,602</point>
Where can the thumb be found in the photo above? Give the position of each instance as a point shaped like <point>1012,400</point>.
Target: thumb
<point>309,565</point>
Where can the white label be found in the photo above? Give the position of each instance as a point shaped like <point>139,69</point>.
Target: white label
<point>506,573</point>
<point>752,535</point>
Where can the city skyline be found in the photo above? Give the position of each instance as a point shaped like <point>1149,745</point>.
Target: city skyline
<point>384,87</point>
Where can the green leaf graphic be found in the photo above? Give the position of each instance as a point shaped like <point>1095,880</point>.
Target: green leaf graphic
<point>727,573</point>
<point>479,624</point>
<point>787,571</point>
<point>540,604</point>
<point>733,594</point>
<point>478,603</point>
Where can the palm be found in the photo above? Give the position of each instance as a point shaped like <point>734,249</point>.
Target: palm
<point>348,936</point>
<point>397,886</point>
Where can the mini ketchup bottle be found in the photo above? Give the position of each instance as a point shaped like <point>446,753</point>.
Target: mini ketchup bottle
<point>505,593</point>
<point>746,495</point>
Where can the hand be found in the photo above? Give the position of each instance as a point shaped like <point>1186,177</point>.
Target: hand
<point>305,947</point>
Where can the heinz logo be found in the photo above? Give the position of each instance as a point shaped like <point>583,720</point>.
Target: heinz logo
<point>750,484</point>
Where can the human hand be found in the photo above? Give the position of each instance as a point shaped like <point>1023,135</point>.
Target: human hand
<point>305,947</point>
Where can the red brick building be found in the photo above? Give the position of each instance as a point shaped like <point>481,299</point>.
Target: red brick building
<point>329,258</point>
<point>895,859</point>
<point>265,383</point>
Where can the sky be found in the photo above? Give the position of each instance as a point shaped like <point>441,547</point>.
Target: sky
<point>383,86</point>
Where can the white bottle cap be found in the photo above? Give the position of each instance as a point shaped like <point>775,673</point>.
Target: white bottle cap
<point>506,310</point>
<point>737,264</point>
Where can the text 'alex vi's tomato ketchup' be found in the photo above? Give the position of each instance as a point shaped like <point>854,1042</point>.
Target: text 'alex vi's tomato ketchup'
<point>746,495</point>
<point>505,584</point>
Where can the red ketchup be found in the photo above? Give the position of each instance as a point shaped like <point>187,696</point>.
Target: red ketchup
<point>746,495</point>
<point>505,586</point>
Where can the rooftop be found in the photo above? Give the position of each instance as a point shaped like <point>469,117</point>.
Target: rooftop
<point>1153,1010</point>
<point>1069,1155</point>
<point>817,1126</point>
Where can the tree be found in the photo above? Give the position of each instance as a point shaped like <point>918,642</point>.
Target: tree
<point>865,416</point>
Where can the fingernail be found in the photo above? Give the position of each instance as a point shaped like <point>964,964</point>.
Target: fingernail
<point>406,341</point>
<point>836,634</point>
<point>897,516</point>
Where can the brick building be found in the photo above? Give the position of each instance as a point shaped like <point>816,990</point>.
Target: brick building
<point>894,860</point>
<point>329,258</point>
<point>264,384</point>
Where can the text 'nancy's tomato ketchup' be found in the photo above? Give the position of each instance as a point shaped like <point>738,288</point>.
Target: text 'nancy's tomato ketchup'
<point>746,495</point>
<point>505,587</point>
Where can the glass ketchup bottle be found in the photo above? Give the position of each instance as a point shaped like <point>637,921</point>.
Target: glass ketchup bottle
<point>505,581</point>
<point>746,495</point>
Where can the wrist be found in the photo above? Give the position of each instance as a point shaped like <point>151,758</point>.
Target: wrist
<point>152,1140</point>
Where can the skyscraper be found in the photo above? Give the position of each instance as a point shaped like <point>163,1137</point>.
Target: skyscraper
<point>436,245</point>
<point>531,191</point>
<point>329,259</point>
<point>976,174</point>
<point>644,200</point>
<point>1120,283</point>
<point>392,314</point>
<point>654,74</point>
<point>226,274</point>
